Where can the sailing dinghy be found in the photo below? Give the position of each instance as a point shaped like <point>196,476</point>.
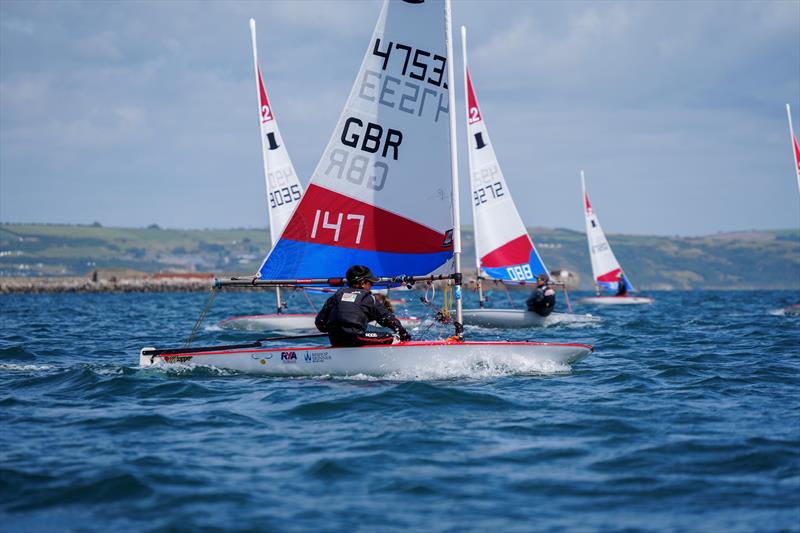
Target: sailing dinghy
<point>503,249</point>
<point>284,191</point>
<point>606,270</point>
<point>385,194</point>
<point>793,310</point>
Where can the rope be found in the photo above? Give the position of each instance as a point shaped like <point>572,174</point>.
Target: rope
<point>566,296</point>
<point>508,294</point>
<point>202,317</point>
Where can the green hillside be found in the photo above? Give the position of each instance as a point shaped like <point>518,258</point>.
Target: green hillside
<point>745,260</point>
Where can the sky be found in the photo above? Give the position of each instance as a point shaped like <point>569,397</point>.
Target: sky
<point>139,112</point>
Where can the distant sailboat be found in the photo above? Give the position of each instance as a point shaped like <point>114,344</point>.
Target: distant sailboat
<point>503,249</point>
<point>384,194</point>
<point>795,146</point>
<point>606,270</point>
<point>793,310</point>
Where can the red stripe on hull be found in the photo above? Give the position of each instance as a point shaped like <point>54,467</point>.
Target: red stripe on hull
<point>400,345</point>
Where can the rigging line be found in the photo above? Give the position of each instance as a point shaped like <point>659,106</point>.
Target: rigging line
<point>308,299</point>
<point>566,296</point>
<point>202,317</point>
<point>508,294</point>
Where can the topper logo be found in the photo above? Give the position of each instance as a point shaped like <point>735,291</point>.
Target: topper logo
<point>414,1</point>
<point>288,356</point>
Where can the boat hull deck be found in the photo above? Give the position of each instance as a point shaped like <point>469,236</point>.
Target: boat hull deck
<point>407,357</point>
<point>518,318</point>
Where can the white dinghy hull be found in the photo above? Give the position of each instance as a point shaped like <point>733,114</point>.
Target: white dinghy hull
<point>408,357</point>
<point>616,300</point>
<point>518,318</point>
<point>299,321</point>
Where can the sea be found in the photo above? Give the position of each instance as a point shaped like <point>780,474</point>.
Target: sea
<point>685,418</point>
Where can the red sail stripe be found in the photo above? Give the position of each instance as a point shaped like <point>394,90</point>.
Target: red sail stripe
<point>266,110</point>
<point>473,116</point>
<point>514,252</point>
<point>610,277</point>
<point>381,230</point>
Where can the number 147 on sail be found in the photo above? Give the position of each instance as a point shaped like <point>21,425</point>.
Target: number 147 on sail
<point>336,227</point>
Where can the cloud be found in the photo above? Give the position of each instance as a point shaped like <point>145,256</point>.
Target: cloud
<point>140,112</point>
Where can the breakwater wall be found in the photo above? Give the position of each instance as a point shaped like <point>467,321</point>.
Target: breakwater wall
<point>11,285</point>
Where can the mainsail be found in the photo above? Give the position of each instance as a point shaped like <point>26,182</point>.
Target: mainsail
<point>283,187</point>
<point>795,146</point>
<point>381,194</point>
<point>503,248</point>
<point>605,267</point>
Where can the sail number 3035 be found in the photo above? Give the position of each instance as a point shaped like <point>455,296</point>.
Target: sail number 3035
<point>284,195</point>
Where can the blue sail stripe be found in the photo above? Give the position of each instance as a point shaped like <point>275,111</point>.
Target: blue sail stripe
<point>502,273</point>
<point>295,259</point>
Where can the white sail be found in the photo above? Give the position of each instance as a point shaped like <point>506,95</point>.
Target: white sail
<point>606,270</point>
<point>283,187</point>
<point>795,146</point>
<point>381,195</point>
<point>502,245</point>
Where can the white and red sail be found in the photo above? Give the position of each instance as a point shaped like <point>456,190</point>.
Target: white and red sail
<point>795,146</point>
<point>503,248</point>
<point>606,270</point>
<point>381,194</point>
<point>283,186</point>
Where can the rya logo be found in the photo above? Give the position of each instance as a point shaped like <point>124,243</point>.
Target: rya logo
<point>288,356</point>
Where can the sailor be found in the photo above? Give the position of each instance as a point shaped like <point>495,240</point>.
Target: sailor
<point>622,289</point>
<point>345,315</point>
<point>543,298</point>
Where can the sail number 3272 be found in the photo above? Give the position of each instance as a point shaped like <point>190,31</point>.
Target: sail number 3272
<point>483,194</point>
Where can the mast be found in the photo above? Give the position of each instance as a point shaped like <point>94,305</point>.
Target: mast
<point>451,103</point>
<point>795,148</point>
<point>588,241</point>
<point>272,236</point>
<point>478,276</point>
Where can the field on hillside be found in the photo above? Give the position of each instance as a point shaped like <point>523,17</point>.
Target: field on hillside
<point>744,260</point>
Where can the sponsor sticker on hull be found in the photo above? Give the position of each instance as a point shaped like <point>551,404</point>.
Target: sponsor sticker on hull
<point>317,357</point>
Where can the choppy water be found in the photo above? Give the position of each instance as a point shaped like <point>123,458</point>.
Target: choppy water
<point>686,418</point>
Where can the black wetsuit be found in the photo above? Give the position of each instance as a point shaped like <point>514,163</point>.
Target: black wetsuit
<point>622,289</point>
<point>542,301</point>
<point>345,315</point>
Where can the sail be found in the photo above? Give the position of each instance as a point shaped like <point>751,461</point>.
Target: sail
<point>795,146</point>
<point>502,243</point>
<point>605,267</point>
<point>283,187</point>
<point>381,194</point>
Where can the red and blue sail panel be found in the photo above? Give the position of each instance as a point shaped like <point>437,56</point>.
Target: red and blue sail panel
<point>329,232</point>
<point>516,260</point>
<point>611,280</point>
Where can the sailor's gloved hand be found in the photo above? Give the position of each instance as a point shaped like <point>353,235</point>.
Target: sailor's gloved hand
<point>403,334</point>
